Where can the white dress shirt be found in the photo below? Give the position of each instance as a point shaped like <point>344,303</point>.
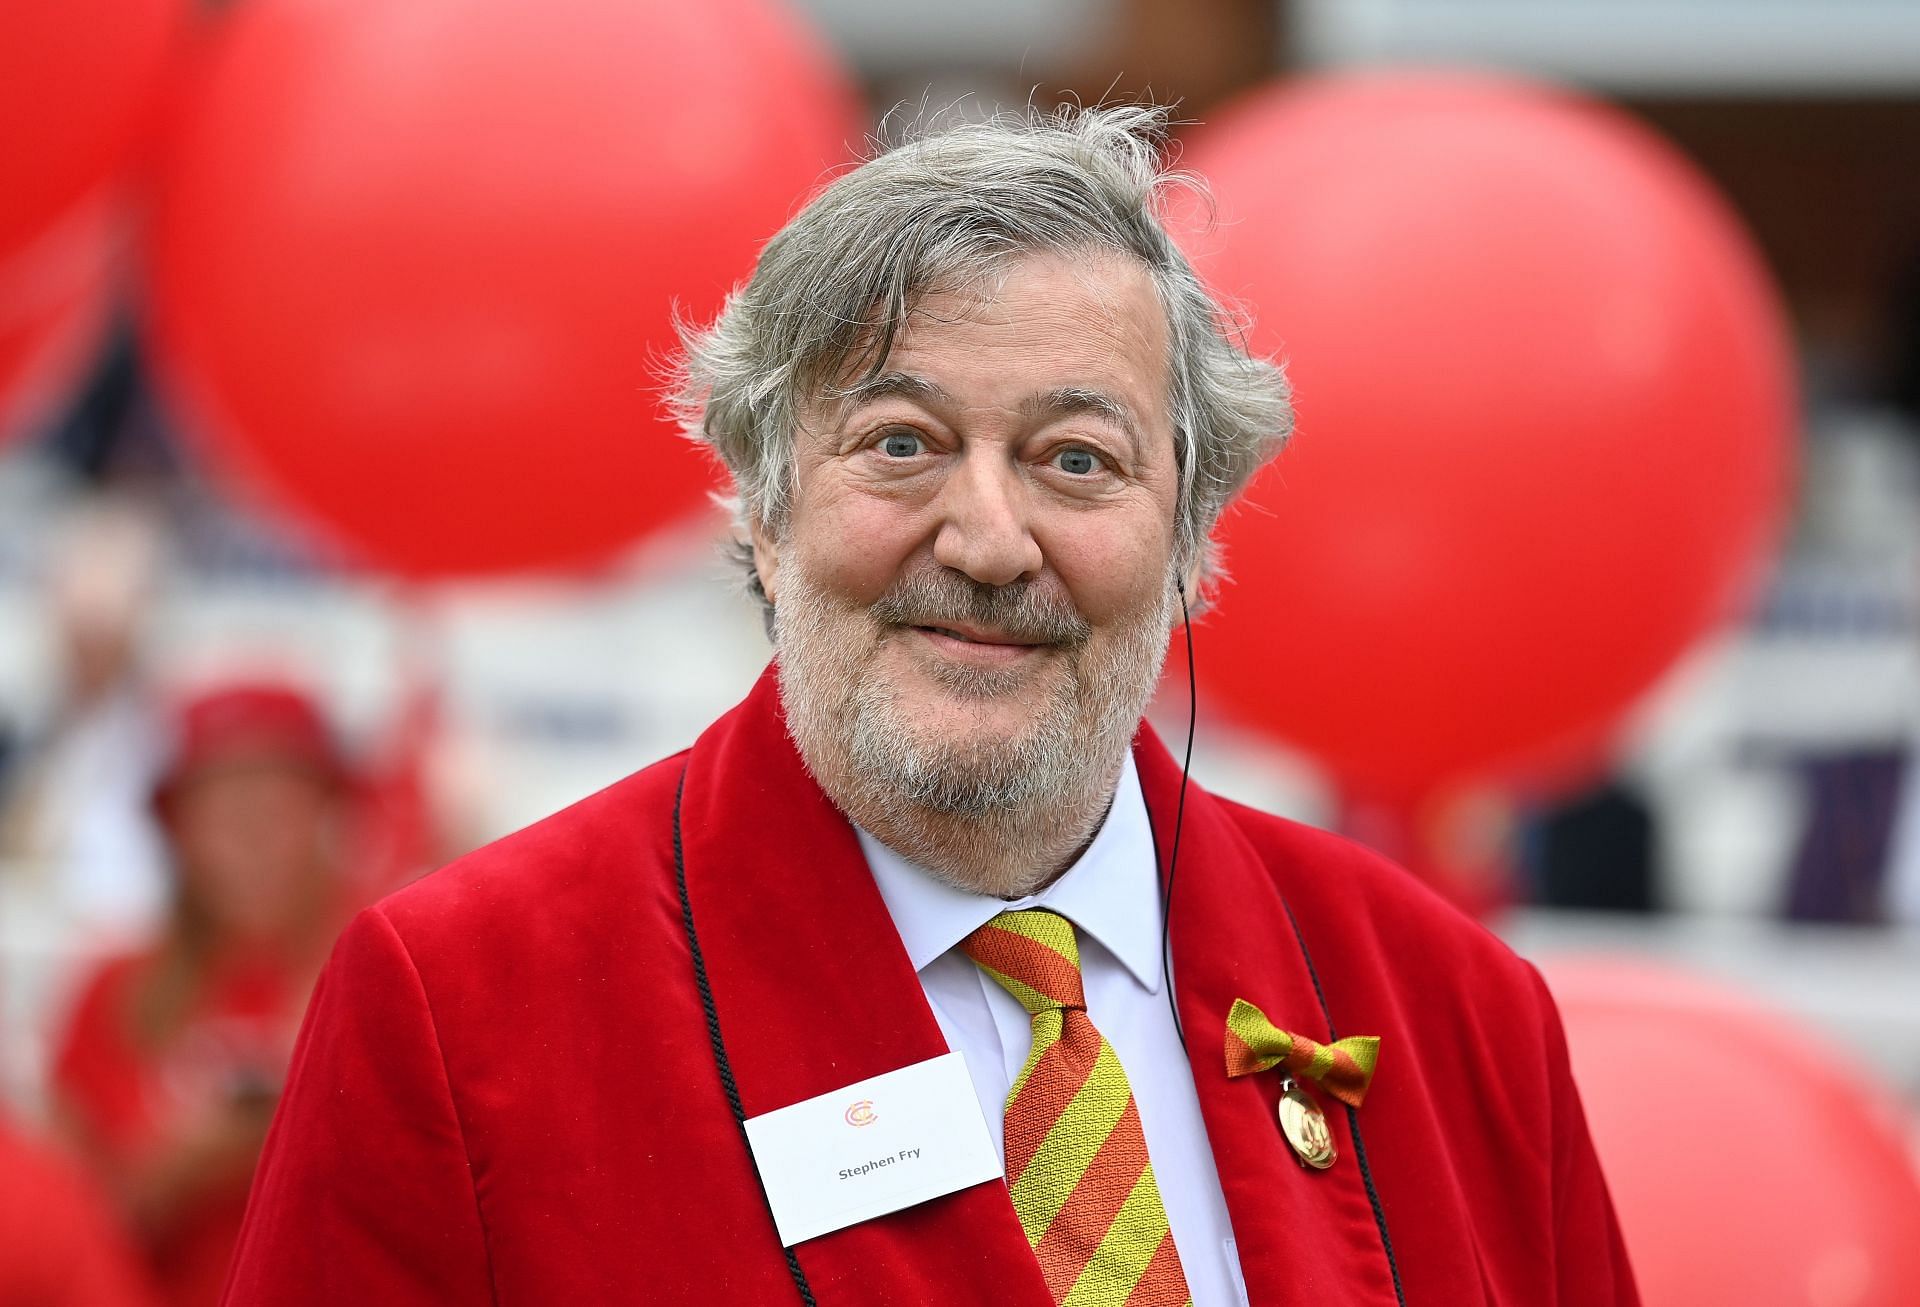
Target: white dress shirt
<point>1112,896</point>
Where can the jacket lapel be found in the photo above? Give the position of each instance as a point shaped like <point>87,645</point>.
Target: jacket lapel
<point>1302,1235</point>
<point>813,990</point>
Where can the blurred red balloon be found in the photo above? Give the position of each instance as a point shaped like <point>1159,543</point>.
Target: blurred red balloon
<point>414,265</point>
<point>79,83</point>
<point>1544,411</point>
<point>1751,1161</point>
<point>55,300</point>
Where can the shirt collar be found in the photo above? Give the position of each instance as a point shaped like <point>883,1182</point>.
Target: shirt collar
<point>1111,893</point>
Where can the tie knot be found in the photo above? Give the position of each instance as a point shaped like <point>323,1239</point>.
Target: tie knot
<point>1033,955</point>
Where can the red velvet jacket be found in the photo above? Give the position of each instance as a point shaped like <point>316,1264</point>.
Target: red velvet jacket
<point>506,1093</point>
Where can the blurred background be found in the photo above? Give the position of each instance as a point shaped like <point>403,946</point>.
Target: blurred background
<point>340,530</point>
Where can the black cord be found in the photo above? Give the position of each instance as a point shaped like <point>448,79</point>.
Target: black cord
<point>1179,819</point>
<point>1353,1117</point>
<point>713,1020</point>
<point>1166,959</point>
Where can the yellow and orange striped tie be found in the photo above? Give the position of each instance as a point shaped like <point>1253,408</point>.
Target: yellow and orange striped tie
<point>1077,1160</point>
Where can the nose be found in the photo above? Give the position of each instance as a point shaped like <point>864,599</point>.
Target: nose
<point>984,528</point>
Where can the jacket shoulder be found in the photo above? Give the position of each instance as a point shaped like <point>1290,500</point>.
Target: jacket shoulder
<point>609,846</point>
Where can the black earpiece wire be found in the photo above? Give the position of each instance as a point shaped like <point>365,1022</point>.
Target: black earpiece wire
<point>1166,957</point>
<point>1179,819</point>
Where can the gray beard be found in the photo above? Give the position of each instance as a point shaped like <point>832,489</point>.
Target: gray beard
<point>1000,817</point>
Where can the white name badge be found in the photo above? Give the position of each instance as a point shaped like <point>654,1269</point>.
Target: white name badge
<point>871,1148</point>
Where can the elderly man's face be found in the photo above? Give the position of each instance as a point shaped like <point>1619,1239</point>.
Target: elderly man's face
<point>973,589</point>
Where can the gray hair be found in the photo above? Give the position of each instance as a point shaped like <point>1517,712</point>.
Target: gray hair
<point>948,208</point>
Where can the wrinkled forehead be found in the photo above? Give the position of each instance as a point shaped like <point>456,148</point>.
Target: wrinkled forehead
<point>1118,299</point>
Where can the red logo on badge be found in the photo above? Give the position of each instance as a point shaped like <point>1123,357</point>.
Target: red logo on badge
<point>862,1113</point>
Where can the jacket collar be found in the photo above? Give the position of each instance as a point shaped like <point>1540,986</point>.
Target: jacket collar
<point>1301,1235</point>
<point>813,991</point>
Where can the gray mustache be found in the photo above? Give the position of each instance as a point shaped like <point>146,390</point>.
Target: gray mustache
<point>1021,610</point>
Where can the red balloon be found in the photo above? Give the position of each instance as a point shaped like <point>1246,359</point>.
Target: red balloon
<point>55,300</point>
<point>1750,1161</point>
<point>79,83</point>
<point>1544,402</point>
<point>414,266</point>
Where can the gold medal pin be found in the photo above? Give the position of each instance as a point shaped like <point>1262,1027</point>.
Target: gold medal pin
<point>1305,1126</point>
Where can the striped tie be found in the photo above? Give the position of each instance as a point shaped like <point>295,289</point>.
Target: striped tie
<point>1076,1157</point>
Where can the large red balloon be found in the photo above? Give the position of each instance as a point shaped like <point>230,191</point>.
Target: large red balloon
<point>1750,1161</point>
<point>1544,410</point>
<point>79,83</point>
<point>56,297</point>
<point>414,265</point>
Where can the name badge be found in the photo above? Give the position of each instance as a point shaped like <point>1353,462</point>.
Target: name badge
<point>871,1148</point>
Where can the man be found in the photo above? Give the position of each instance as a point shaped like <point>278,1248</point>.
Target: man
<point>981,418</point>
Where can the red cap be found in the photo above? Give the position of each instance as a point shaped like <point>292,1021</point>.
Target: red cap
<point>249,721</point>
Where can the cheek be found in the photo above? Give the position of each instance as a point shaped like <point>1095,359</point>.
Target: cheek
<point>856,548</point>
<point>1113,574</point>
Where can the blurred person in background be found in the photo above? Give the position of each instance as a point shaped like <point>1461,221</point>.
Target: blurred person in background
<point>170,1070</point>
<point>1903,839</point>
<point>1857,860</point>
<point>1903,833</point>
<point>116,433</point>
<point>1903,862</point>
<point>76,809</point>
<point>59,1243</point>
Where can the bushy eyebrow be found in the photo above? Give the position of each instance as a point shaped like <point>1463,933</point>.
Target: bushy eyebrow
<point>1067,401</point>
<point>892,385</point>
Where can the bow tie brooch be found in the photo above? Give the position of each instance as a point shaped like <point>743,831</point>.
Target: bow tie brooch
<point>1344,1069</point>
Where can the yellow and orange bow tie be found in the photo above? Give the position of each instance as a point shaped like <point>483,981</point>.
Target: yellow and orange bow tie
<point>1344,1068</point>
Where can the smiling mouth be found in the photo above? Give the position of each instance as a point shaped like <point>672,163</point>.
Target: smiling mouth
<point>964,638</point>
<point>979,650</point>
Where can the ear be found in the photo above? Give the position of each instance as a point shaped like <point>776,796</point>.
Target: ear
<point>766,559</point>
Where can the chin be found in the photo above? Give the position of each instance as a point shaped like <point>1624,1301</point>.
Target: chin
<point>984,762</point>
<point>969,774</point>
<point>942,719</point>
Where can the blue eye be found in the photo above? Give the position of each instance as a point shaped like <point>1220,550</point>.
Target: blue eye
<point>901,444</point>
<point>1079,462</point>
